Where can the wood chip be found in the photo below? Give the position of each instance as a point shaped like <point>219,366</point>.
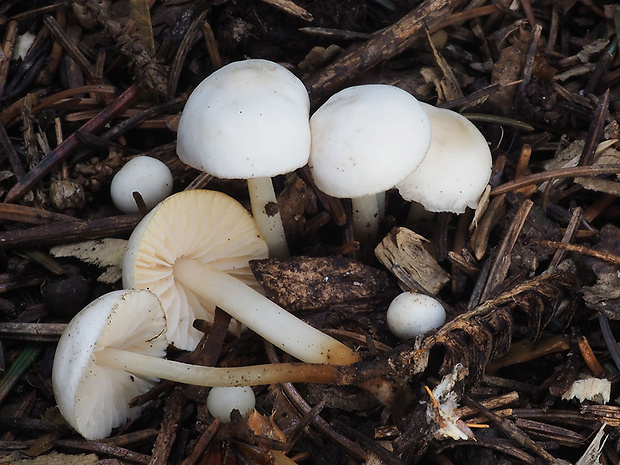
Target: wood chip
<point>402,252</point>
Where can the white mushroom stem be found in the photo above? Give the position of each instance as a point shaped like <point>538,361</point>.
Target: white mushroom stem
<point>365,218</point>
<point>264,317</point>
<point>267,216</point>
<point>146,365</point>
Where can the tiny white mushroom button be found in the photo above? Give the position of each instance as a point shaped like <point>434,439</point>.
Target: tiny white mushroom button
<point>221,401</point>
<point>411,314</point>
<point>148,176</point>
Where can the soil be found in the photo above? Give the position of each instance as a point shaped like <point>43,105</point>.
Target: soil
<point>525,369</point>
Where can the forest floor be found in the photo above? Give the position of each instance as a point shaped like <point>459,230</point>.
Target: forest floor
<point>526,368</point>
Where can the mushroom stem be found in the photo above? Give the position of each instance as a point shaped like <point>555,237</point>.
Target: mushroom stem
<point>261,315</point>
<point>267,216</point>
<point>365,218</point>
<point>146,365</point>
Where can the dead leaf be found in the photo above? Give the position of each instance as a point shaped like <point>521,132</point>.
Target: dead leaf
<point>606,156</point>
<point>141,16</point>
<point>318,56</point>
<point>448,87</point>
<point>104,253</point>
<point>604,295</point>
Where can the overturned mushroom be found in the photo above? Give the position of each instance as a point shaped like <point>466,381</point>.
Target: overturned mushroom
<point>188,251</point>
<point>113,350</point>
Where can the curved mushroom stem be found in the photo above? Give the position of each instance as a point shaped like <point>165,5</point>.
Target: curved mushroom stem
<point>146,365</point>
<point>267,216</point>
<point>365,219</point>
<point>261,315</point>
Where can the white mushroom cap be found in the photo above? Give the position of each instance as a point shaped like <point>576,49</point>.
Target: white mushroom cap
<point>207,226</point>
<point>94,398</point>
<point>248,119</point>
<point>221,401</point>
<point>411,314</point>
<point>456,169</point>
<point>367,138</point>
<point>148,176</point>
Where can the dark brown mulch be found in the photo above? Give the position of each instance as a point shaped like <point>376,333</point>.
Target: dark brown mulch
<point>531,287</point>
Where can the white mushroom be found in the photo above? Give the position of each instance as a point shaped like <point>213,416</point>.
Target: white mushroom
<point>411,314</point>
<point>249,120</point>
<point>365,139</point>
<point>148,176</point>
<point>113,350</point>
<point>457,166</point>
<point>221,401</point>
<point>206,226</point>
<point>192,250</point>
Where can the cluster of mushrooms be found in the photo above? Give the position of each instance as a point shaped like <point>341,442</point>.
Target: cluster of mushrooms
<point>191,252</point>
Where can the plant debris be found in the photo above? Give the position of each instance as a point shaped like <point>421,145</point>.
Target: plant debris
<point>529,281</point>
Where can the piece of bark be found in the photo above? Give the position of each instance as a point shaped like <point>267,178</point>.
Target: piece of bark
<point>309,283</point>
<point>402,252</point>
<point>295,203</point>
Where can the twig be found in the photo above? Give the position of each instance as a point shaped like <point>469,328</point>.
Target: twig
<point>589,357</point>
<point>610,340</point>
<point>14,160</point>
<point>382,46</point>
<point>203,442</point>
<point>7,52</point>
<point>71,48</point>
<point>211,44</point>
<point>289,7</point>
<point>71,143</point>
<point>595,131</point>
<point>300,403</point>
<point>59,232</point>
<point>192,35</point>
<point>11,115</point>
<point>36,332</point>
<point>169,429</point>
<point>104,449</point>
<point>30,215</point>
<point>510,429</point>
<point>605,256</point>
<point>570,172</point>
<point>569,235</point>
<point>499,270</point>
<point>384,455</point>
<point>38,11</point>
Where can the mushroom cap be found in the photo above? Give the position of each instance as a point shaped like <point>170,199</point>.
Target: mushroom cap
<point>457,166</point>
<point>221,401</point>
<point>367,138</point>
<point>93,399</point>
<point>248,119</point>
<point>146,175</point>
<point>204,225</point>
<point>411,314</point>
